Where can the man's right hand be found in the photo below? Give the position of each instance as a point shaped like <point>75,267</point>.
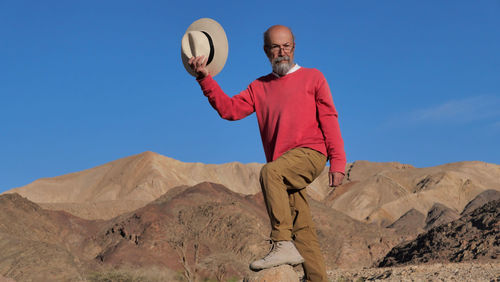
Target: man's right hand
<point>335,178</point>
<point>199,66</point>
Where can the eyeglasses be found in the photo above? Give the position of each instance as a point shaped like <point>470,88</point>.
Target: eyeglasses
<point>276,48</point>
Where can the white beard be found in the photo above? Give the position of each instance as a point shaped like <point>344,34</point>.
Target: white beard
<point>282,68</point>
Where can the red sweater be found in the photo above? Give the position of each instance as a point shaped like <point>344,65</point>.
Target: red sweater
<point>295,110</point>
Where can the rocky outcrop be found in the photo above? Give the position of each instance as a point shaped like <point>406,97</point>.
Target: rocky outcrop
<point>282,273</point>
<point>473,237</point>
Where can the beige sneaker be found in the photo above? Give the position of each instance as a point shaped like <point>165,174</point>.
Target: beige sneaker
<point>282,252</point>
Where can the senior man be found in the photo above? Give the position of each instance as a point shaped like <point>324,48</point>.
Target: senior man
<point>300,131</point>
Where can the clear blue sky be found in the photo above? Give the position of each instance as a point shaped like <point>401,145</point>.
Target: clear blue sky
<point>83,83</point>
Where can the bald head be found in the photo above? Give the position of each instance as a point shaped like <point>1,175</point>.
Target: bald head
<point>279,46</point>
<point>278,31</point>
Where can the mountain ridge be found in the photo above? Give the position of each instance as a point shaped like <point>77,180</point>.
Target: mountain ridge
<point>380,192</point>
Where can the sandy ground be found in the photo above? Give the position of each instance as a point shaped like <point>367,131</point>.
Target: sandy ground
<point>428,272</point>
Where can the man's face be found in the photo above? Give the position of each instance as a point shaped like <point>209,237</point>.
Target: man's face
<point>280,48</point>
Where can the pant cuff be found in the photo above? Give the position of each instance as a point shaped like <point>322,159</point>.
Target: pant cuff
<point>280,235</point>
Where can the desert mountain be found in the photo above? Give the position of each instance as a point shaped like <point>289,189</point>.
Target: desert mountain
<point>126,184</point>
<point>129,183</point>
<point>142,177</point>
<point>220,223</point>
<point>474,236</point>
<point>206,230</point>
<point>383,192</point>
<point>373,192</point>
<point>162,216</point>
<point>413,222</point>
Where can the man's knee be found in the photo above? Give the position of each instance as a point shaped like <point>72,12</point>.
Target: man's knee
<point>269,170</point>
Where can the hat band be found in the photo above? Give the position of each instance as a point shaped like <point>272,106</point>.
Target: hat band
<point>212,49</point>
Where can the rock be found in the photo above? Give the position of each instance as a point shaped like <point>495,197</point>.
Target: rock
<point>282,273</point>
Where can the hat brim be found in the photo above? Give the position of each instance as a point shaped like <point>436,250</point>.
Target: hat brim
<point>220,45</point>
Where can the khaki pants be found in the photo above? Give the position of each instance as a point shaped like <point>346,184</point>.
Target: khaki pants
<point>283,181</point>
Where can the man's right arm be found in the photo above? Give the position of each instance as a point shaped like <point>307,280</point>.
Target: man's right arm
<point>230,108</point>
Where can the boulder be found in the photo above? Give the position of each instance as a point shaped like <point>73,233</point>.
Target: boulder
<point>282,273</point>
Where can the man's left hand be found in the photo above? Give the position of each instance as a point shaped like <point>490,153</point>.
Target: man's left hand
<point>335,178</point>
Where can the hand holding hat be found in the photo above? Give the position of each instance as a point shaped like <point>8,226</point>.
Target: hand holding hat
<point>199,66</point>
<point>204,48</point>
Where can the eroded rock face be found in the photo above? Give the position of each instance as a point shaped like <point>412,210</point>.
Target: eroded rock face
<point>439,214</point>
<point>282,273</point>
<point>410,223</point>
<point>474,236</point>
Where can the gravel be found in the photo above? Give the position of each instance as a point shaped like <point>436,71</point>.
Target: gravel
<point>467,271</point>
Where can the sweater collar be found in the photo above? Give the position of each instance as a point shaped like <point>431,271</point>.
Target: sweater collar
<point>294,68</point>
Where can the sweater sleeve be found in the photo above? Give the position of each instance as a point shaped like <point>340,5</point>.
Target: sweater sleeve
<point>328,121</point>
<point>230,108</point>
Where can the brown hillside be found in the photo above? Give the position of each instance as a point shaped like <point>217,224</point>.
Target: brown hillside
<point>204,230</point>
<point>142,177</point>
<point>374,192</point>
<point>129,183</point>
<point>126,184</point>
<point>38,244</point>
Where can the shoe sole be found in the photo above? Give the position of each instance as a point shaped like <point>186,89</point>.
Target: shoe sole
<point>295,264</point>
<point>288,263</point>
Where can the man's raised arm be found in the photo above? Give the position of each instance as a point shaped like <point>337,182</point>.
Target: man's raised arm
<point>230,108</point>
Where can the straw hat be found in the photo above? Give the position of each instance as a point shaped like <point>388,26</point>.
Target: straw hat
<point>205,37</point>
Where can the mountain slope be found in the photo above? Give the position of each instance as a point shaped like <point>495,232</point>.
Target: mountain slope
<point>474,236</point>
<point>205,230</point>
<point>382,193</point>
<point>129,183</point>
<point>140,177</point>
<point>373,192</point>
<point>38,244</point>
